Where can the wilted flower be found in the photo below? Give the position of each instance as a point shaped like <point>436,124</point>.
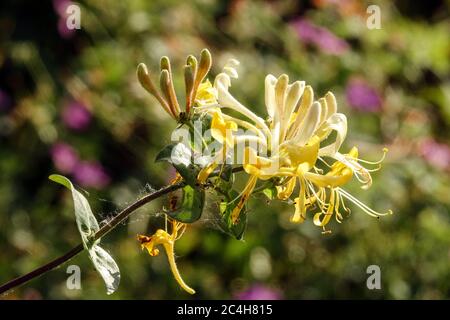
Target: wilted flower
<point>362,97</point>
<point>76,116</point>
<point>64,157</point>
<point>91,174</point>
<point>320,37</point>
<point>162,237</point>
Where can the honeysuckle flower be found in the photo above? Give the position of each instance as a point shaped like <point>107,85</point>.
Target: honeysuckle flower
<point>220,130</point>
<point>194,74</point>
<point>167,240</point>
<point>223,126</point>
<point>296,135</point>
<point>206,94</point>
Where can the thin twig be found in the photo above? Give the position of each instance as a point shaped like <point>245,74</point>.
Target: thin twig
<point>125,213</point>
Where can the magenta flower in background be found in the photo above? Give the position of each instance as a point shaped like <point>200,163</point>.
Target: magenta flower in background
<point>259,292</point>
<point>362,97</point>
<point>63,30</point>
<point>60,7</point>
<point>91,175</point>
<point>64,157</point>
<point>321,37</point>
<point>435,153</point>
<point>76,116</point>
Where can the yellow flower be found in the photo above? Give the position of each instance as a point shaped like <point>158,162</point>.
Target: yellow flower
<point>221,130</point>
<point>162,237</point>
<point>243,198</point>
<point>291,143</point>
<point>206,94</point>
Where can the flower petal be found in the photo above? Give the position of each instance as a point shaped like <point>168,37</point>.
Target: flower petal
<point>305,104</point>
<point>294,93</point>
<point>226,100</point>
<point>331,103</point>
<point>309,125</point>
<point>270,82</point>
<point>337,122</point>
<point>284,191</point>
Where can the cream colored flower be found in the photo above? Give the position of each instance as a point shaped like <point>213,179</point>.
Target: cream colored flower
<point>292,139</point>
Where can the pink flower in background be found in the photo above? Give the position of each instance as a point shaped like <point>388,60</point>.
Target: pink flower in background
<point>362,97</point>
<point>435,153</point>
<point>76,116</point>
<point>64,157</point>
<point>91,175</point>
<point>60,8</point>
<point>321,37</point>
<point>259,292</point>
<point>63,30</point>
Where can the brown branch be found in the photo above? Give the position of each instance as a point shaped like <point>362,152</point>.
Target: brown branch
<point>125,213</point>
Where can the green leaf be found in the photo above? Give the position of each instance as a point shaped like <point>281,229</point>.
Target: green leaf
<point>106,266</point>
<point>227,173</point>
<point>191,207</point>
<point>87,226</point>
<point>86,222</point>
<point>166,153</point>
<point>226,208</point>
<point>270,192</point>
<point>180,156</point>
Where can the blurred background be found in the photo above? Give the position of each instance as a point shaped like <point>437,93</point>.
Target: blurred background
<point>70,104</point>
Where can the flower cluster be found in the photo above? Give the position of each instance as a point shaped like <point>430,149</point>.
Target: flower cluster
<point>294,150</point>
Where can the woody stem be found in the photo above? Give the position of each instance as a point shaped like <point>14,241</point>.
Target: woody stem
<point>125,213</point>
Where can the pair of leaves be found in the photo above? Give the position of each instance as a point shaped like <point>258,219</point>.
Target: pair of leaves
<point>88,226</point>
<point>193,198</point>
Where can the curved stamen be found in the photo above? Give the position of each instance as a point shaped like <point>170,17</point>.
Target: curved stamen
<point>361,205</point>
<point>385,151</point>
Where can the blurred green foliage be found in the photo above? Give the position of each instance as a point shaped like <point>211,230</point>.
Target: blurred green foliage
<point>44,69</point>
